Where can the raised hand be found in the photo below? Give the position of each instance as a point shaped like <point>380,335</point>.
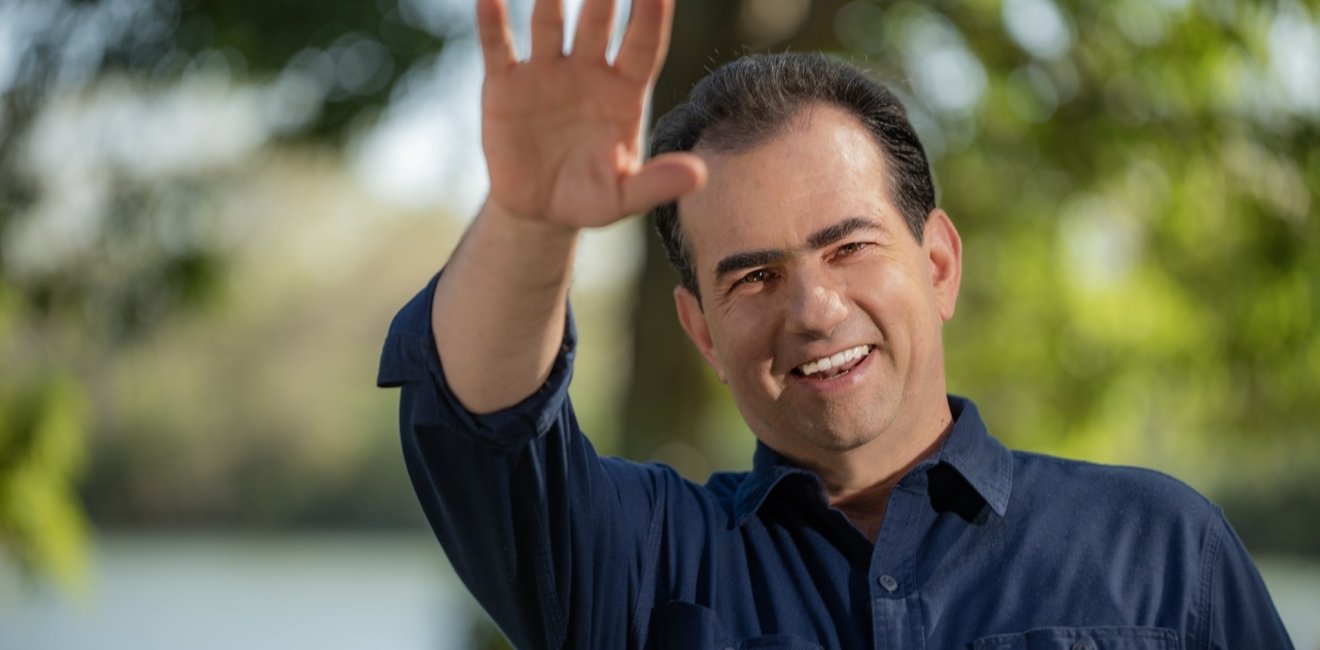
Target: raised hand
<point>562,132</point>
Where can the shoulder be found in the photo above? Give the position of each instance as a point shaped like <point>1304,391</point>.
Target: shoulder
<point>1107,524</point>
<point>1051,483</point>
<point>674,495</point>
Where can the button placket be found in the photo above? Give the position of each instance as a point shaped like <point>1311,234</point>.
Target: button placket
<point>897,537</point>
<point>896,619</point>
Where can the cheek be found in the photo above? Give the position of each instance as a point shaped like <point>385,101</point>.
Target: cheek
<point>897,304</point>
<point>745,342</point>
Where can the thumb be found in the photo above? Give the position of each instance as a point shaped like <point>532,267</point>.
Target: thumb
<point>662,179</point>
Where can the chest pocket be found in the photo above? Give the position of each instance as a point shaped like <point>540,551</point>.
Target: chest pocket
<point>1083,638</point>
<point>685,626</point>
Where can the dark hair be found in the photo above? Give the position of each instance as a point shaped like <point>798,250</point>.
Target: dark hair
<point>743,103</point>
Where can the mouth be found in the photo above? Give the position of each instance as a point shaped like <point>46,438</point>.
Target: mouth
<point>835,365</point>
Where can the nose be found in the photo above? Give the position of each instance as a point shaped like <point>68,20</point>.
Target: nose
<point>817,305</point>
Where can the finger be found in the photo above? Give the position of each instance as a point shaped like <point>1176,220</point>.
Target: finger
<point>665,178</point>
<point>496,39</point>
<point>647,40</point>
<point>593,29</point>
<point>548,29</point>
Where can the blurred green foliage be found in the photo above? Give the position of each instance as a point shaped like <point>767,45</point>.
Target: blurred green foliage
<point>1143,259</point>
<point>149,249</point>
<point>342,58</point>
<point>41,455</point>
<point>1138,213</point>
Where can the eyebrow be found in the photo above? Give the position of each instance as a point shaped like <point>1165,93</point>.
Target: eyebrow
<point>817,240</point>
<point>747,260</point>
<point>829,235</point>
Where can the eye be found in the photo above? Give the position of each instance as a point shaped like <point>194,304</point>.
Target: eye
<point>755,277</point>
<point>850,248</point>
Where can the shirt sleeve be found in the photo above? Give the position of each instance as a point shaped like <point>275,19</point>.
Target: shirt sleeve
<point>551,539</point>
<point>1241,615</point>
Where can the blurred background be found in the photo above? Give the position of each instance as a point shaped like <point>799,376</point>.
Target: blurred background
<point>210,210</point>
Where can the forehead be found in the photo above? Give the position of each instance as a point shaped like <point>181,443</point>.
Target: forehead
<point>823,167</point>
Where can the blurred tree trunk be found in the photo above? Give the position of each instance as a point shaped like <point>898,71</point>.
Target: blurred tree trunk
<point>669,400</point>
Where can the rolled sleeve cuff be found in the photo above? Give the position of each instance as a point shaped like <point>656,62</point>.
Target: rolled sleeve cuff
<point>410,360</point>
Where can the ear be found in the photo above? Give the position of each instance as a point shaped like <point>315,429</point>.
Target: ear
<point>943,248</point>
<point>693,319</point>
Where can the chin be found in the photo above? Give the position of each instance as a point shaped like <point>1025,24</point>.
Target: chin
<point>835,437</point>
<point>843,443</point>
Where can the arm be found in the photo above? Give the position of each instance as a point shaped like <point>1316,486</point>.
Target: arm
<point>562,138</point>
<point>550,539</point>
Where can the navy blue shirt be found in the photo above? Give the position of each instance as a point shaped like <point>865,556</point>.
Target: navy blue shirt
<point>980,548</point>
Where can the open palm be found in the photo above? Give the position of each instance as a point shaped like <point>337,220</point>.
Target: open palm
<point>562,132</point>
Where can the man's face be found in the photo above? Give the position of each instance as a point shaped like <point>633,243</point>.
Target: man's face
<point>801,256</point>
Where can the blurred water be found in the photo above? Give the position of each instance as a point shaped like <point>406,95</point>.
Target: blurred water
<point>1295,586</point>
<point>326,592</point>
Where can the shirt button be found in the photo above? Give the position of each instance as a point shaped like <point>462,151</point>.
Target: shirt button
<point>1084,644</point>
<point>889,583</point>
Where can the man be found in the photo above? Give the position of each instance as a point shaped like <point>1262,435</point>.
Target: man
<point>816,274</point>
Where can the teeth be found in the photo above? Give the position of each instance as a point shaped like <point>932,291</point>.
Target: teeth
<point>834,361</point>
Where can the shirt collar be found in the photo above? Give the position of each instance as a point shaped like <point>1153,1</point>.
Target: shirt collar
<point>982,461</point>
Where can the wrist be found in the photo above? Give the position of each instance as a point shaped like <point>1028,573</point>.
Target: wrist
<point>517,252</point>
<point>525,227</point>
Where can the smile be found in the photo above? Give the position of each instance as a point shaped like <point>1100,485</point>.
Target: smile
<point>835,364</point>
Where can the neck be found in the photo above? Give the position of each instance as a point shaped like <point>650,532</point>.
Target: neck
<point>859,484</point>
